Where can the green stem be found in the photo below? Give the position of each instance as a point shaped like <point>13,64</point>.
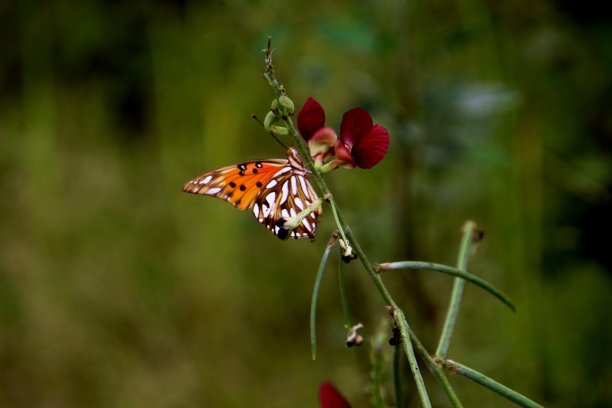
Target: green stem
<point>490,384</point>
<point>332,203</point>
<point>449,270</point>
<point>402,323</point>
<point>397,377</point>
<point>455,302</point>
<point>315,296</point>
<point>348,323</point>
<point>437,370</point>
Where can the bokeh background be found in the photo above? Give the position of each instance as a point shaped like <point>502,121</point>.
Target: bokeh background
<point>118,290</point>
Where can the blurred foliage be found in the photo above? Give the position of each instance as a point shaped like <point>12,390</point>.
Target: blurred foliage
<point>118,290</point>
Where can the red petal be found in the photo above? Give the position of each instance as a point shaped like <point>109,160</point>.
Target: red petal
<point>311,118</point>
<point>329,397</point>
<point>355,123</point>
<point>371,148</point>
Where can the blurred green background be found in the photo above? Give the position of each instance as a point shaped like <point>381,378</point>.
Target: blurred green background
<point>118,290</point>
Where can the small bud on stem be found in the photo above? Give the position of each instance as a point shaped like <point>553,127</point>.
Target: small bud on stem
<point>269,120</point>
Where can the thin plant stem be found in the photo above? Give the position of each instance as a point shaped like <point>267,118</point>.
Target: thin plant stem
<point>402,323</point>
<point>397,377</point>
<point>332,203</point>
<point>348,323</point>
<point>437,370</point>
<point>491,384</point>
<point>315,296</point>
<point>449,270</point>
<point>440,375</point>
<point>455,302</point>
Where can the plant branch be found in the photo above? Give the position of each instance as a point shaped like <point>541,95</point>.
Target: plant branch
<point>332,204</point>
<point>469,227</point>
<point>348,322</point>
<point>489,383</point>
<point>449,270</point>
<point>402,324</point>
<point>437,370</point>
<point>397,378</point>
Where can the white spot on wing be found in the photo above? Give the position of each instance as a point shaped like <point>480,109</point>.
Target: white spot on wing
<point>271,198</point>
<point>292,212</point>
<point>271,184</point>
<point>299,203</point>
<point>305,188</point>
<point>285,192</point>
<point>206,180</point>
<point>306,224</point>
<point>293,186</point>
<point>256,210</point>
<point>285,213</point>
<point>212,191</point>
<point>265,209</point>
<point>283,171</point>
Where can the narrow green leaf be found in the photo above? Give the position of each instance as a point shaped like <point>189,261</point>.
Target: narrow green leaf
<point>315,296</point>
<point>449,270</point>
<point>491,384</point>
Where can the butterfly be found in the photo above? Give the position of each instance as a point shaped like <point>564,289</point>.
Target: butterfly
<point>273,189</point>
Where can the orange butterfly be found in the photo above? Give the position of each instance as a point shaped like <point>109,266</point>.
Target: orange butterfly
<point>274,189</point>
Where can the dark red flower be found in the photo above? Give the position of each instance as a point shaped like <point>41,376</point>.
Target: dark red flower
<point>329,397</point>
<point>361,143</point>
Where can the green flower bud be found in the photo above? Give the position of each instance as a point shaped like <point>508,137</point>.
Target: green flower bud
<point>274,105</point>
<point>279,130</point>
<point>269,120</point>
<point>286,103</point>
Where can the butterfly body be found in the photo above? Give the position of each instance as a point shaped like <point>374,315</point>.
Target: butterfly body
<point>272,189</point>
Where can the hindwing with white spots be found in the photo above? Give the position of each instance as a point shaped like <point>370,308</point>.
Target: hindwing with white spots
<point>272,189</point>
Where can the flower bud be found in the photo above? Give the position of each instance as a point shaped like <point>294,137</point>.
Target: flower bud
<point>286,103</point>
<point>274,105</point>
<point>269,120</point>
<point>279,130</point>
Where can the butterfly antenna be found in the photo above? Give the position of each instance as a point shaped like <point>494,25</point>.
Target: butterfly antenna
<point>270,133</point>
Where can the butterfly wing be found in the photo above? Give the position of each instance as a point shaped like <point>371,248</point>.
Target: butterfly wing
<point>272,189</point>
<point>239,185</point>
<point>286,198</point>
